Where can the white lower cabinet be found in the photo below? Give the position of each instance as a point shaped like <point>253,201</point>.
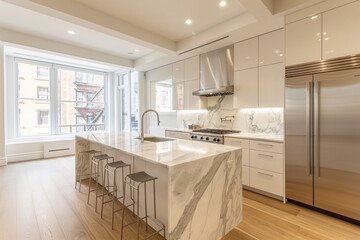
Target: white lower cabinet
<point>267,160</point>
<point>267,181</point>
<point>263,164</point>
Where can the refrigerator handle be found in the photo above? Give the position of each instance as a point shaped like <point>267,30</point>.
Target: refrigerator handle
<point>309,127</point>
<point>316,130</point>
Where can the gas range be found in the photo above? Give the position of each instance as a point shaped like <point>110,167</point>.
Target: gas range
<point>211,135</point>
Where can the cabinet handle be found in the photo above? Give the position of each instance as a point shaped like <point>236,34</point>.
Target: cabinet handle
<point>265,155</point>
<point>266,174</point>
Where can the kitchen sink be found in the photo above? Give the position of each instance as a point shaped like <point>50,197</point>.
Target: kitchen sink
<point>157,139</point>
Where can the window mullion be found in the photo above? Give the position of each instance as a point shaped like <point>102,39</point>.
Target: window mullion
<point>53,101</point>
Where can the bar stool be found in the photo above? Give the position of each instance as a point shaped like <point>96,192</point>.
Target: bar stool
<point>89,152</point>
<point>111,168</point>
<point>95,162</point>
<point>138,179</point>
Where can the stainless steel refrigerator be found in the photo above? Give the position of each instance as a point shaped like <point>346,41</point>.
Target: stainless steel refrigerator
<point>322,135</point>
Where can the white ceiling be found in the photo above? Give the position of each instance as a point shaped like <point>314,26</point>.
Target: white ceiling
<point>167,17</point>
<point>23,20</point>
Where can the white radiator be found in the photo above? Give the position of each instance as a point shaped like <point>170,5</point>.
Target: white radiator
<point>58,149</point>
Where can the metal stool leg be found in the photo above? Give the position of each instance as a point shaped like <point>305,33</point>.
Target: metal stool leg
<point>82,170</point>
<point>78,157</point>
<point>114,200</point>
<point>103,190</point>
<point>123,210</point>
<point>97,186</point>
<point>146,220</point>
<point>138,213</point>
<point>90,180</point>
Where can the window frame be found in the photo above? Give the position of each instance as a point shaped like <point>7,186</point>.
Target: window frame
<point>52,96</point>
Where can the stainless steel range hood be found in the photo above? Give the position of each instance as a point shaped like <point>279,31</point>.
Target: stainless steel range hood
<point>217,73</point>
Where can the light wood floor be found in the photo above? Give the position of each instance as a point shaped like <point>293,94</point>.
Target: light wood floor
<point>38,201</point>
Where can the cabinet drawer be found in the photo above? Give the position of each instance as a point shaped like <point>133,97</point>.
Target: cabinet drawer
<point>245,176</point>
<point>266,146</point>
<point>266,181</point>
<point>267,161</point>
<point>237,142</point>
<point>171,134</point>
<point>184,135</point>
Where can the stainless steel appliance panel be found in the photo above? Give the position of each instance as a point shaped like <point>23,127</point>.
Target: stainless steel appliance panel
<point>217,68</point>
<point>337,142</point>
<point>298,138</point>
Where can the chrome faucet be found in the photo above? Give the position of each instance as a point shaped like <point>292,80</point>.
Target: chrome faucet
<point>142,122</point>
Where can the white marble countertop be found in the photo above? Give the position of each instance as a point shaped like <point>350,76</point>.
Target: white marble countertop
<point>168,153</point>
<point>257,136</point>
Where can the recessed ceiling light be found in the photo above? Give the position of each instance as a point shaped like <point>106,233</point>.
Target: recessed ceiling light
<point>277,51</point>
<point>71,32</point>
<point>188,21</point>
<point>136,50</point>
<point>222,3</point>
<point>314,17</point>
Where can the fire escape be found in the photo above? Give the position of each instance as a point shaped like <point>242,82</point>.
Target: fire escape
<point>91,107</point>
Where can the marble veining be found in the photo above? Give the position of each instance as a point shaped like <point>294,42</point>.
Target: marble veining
<point>258,121</point>
<point>210,207</point>
<point>199,186</point>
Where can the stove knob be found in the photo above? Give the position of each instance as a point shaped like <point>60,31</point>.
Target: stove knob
<point>195,137</point>
<point>207,139</point>
<point>218,140</point>
<point>192,136</point>
<point>201,138</point>
<point>214,139</point>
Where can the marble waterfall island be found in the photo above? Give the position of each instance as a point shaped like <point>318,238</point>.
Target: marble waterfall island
<point>198,190</point>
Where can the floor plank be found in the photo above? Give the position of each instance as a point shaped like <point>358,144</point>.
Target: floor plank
<point>38,201</point>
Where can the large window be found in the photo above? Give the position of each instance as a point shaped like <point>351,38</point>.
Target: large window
<point>55,99</point>
<point>128,99</point>
<point>80,99</point>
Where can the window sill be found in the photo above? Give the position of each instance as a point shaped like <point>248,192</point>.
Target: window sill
<point>41,138</point>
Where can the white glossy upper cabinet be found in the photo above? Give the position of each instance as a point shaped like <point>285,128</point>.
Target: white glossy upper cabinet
<point>271,48</point>
<point>178,72</point>
<point>178,96</point>
<point>246,88</point>
<point>193,102</point>
<point>271,85</point>
<point>192,68</point>
<point>246,54</point>
<point>303,41</point>
<point>341,32</point>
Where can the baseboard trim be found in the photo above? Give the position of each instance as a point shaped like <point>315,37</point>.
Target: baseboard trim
<point>25,156</point>
<point>3,162</point>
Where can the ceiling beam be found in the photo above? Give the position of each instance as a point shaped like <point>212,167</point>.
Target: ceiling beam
<point>84,16</point>
<point>259,9</point>
<point>17,38</point>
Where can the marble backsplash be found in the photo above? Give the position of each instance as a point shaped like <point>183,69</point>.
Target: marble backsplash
<point>255,120</point>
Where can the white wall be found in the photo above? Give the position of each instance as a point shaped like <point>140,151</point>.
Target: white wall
<point>23,151</point>
<point>2,107</point>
